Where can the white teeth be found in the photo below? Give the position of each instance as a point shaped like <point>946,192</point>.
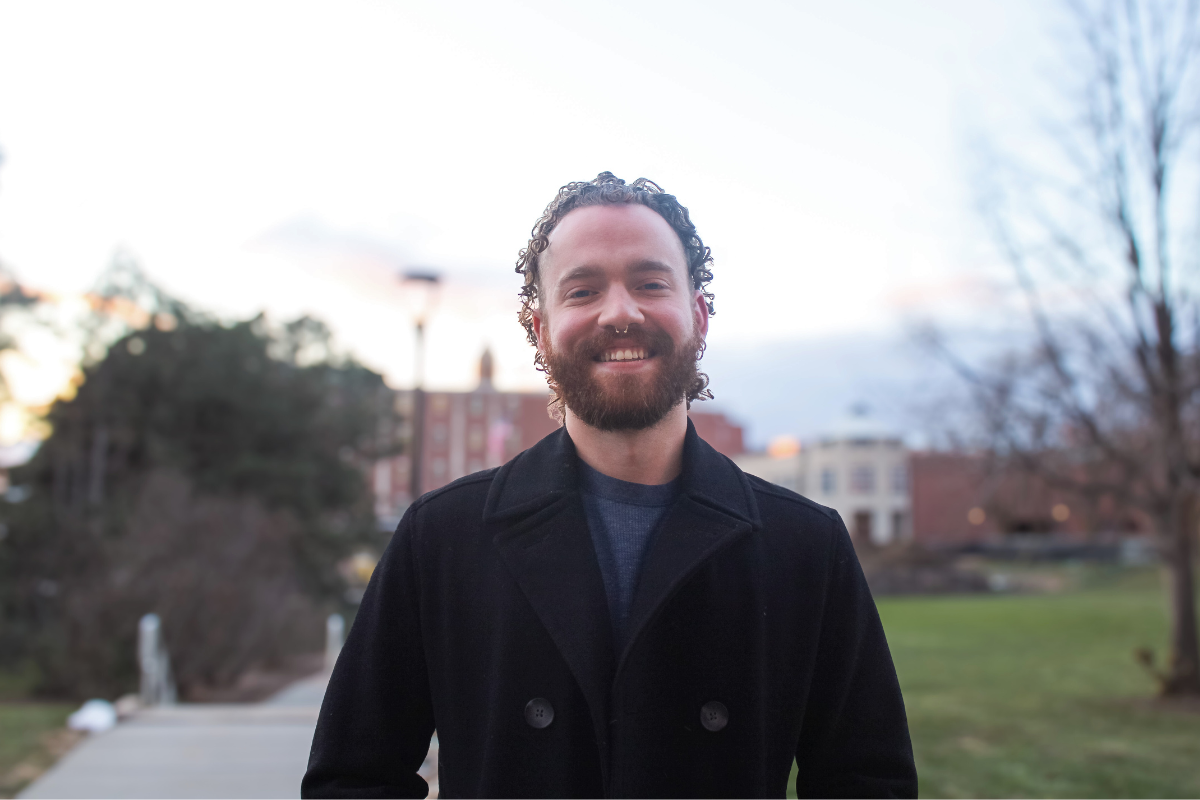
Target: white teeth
<point>624,355</point>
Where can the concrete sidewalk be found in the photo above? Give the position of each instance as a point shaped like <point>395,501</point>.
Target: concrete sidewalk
<point>194,751</point>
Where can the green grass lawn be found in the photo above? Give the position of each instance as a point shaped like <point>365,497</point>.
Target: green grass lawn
<point>32,737</point>
<point>1040,695</point>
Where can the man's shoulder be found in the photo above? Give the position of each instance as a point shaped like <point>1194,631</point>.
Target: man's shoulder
<point>774,498</point>
<point>469,491</point>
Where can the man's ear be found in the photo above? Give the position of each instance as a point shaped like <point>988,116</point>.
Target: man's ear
<point>700,309</point>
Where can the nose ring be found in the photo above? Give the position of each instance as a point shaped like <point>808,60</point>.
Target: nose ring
<point>620,332</point>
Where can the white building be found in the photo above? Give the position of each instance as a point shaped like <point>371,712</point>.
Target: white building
<point>859,468</point>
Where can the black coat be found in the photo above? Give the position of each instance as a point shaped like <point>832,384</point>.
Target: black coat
<point>753,640</point>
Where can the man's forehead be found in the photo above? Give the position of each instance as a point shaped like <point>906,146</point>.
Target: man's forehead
<point>593,237</point>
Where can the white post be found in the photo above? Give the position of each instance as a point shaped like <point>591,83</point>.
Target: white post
<point>335,629</point>
<point>157,685</point>
<point>148,660</point>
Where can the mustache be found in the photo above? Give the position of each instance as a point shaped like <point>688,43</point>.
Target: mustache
<point>657,341</point>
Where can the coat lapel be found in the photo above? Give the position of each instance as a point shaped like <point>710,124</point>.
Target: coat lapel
<point>545,543</point>
<point>543,538</point>
<point>716,507</point>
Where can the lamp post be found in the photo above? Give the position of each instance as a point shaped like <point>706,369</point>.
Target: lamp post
<point>421,289</point>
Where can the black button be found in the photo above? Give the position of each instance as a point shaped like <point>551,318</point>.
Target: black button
<point>714,716</point>
<point>539,713</point>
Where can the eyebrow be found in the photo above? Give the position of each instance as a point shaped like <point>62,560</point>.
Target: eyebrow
<point>591,271</point>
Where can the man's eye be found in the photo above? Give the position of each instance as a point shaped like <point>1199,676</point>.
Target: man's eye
<point>579,294</point>
<point>654,285</point>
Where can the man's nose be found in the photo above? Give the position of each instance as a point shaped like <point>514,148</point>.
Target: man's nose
<point>620,310</point>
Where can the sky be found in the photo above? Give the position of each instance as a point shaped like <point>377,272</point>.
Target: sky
<point>295,157</point>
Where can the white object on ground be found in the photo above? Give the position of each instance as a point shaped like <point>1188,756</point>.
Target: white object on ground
<point>94,716</point>
<point>127,705</point>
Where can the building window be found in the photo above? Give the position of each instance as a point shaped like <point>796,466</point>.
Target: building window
<point>476,405</point>
<point>899,525</point>
<point>862,479</point>
<point>828,481</point>
<point>439,433</point>
<point>900,479</point>
<point>439,468</point>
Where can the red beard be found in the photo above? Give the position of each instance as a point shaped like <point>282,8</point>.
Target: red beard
<point>624,402</point>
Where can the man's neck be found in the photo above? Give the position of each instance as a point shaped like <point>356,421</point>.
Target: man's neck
<point>650,456</point>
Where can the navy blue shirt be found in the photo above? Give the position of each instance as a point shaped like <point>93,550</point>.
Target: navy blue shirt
<point>622,518</point>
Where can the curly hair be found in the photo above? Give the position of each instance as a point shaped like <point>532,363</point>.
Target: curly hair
<point>608,189</point>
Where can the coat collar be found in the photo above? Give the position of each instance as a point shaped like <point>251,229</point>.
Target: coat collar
<point>549,471</point>
<point>543,538</point>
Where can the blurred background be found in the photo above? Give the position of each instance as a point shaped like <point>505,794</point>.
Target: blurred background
<point>257,292</point>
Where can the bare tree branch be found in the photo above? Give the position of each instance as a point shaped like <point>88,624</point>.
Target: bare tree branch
<point>1106,404</point>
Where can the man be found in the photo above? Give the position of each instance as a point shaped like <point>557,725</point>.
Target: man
<point>618,611</point>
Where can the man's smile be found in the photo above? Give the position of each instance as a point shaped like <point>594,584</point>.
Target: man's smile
<point>624,354</point>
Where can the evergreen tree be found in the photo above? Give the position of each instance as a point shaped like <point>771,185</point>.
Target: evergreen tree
<point>212,474</point>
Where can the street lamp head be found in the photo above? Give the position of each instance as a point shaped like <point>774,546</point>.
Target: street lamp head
<point>421,289</point>
<point>425,275</point>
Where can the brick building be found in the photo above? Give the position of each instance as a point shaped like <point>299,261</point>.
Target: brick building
<point>958,499</point>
